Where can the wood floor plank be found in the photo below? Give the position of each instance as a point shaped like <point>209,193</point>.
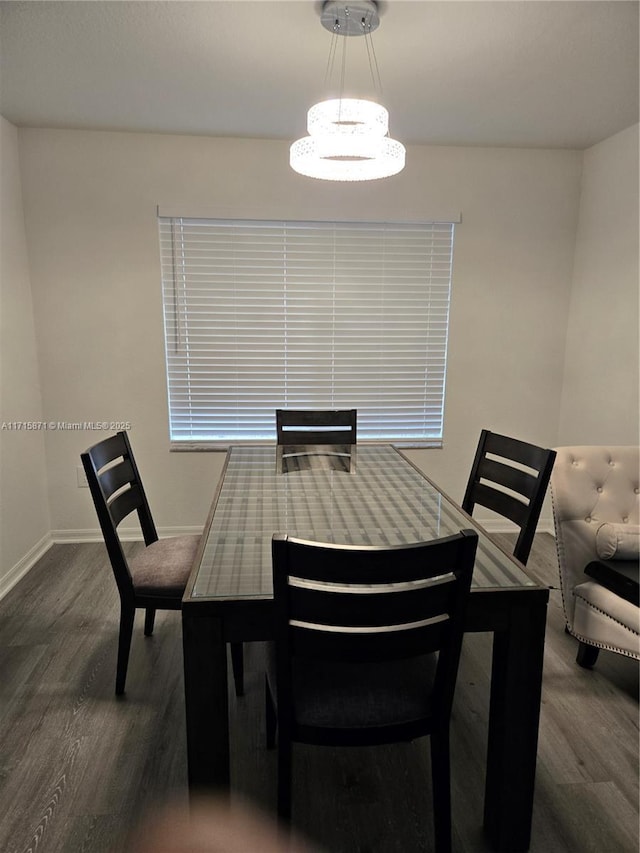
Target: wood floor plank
<point>78,766</point>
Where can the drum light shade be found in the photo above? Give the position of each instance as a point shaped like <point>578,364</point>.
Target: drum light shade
<point>348,138</point>
<point>347,142</point>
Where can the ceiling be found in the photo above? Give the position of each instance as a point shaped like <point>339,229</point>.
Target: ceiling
<point>523,73</point>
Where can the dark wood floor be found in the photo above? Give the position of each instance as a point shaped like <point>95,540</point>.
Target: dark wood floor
<point>78,766</point>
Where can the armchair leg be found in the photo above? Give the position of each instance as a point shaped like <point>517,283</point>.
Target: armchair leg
<point>587,655</point>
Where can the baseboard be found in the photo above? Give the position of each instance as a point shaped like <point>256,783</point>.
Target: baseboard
<point>133,534</point>
<point>17,572</point>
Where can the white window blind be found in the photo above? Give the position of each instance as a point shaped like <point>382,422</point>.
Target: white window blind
<point>262,315</point>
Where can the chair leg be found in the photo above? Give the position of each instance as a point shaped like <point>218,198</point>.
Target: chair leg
<point>587,655</point>
<point>237,663</point>
<point>270,715</point>
<point>149,619</point>
<point>441,784</point>
<point>284,779</point>
<point>127,615</point>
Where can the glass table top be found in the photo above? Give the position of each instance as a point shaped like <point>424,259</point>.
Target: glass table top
<point>353,495</point>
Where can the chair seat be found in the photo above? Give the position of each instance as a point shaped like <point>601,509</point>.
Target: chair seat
<point>337,694</point>
<point>593,602</point>
<point>163,568</point>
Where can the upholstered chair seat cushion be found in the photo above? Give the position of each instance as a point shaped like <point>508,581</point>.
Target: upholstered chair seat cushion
<point>365,694</point>
<point>595,604</point>
<point>342,694</point>
<point>163,568</point>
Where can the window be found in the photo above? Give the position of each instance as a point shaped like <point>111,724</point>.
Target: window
<point>262,315</point>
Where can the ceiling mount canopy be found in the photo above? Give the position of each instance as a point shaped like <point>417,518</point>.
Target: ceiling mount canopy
<point>348,137</point>
<point>350,19</point>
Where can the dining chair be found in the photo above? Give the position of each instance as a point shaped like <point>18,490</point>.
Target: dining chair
<point>309,426</point>
<point>156,578</point>
<point>510,477</point>
<point>354,663</point>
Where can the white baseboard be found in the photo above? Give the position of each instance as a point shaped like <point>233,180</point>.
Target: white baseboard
<point>15,573</point>
<point>133,534</point>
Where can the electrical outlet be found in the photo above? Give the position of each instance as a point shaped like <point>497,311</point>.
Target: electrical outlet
<point>81,478</point>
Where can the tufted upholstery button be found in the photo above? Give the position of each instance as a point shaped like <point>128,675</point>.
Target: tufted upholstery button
<point>611,462</point>
<point>626,519</point>
<point>636,491</point>
<point>588,518</point>
<point>599,489</point>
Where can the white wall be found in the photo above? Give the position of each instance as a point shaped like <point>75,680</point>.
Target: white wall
<point>601,376</point>
<point>540,347</point>
<point>24,514</point>
<point>90,205</point>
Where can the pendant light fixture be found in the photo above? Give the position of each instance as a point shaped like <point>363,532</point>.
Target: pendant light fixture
<point>348,138</point>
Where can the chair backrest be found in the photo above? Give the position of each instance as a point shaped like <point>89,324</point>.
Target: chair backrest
<point>308,426</point>
<point>117,491</point>
<point>372,603</point>
<point>499,482</point>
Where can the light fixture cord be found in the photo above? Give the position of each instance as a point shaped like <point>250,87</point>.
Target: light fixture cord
<point>343,72</point>
<point>373,60</point>
<point>333,47</point>
<point>371,56</point>
<point>328,74</point>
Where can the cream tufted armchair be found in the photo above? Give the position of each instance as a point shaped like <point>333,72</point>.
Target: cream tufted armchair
<point>596,507</point>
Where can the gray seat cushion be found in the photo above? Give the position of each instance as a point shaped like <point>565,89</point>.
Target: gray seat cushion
<point>163,568</point>
<point>360,695</point>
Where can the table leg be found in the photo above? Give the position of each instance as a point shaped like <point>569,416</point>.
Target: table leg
<point>516,684</point>
<point>206,703</point>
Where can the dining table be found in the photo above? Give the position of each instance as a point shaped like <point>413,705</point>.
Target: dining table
<point>364,494</point>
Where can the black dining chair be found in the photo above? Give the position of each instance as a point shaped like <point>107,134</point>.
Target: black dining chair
<point>312,426</point>
<point>354,663</point>
<point>156,578</point>
<point>510,477</point>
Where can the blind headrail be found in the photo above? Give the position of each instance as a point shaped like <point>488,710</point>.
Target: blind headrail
<point>182,211</point>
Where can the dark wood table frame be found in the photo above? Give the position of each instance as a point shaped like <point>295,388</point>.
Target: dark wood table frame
<point>515,615</point>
